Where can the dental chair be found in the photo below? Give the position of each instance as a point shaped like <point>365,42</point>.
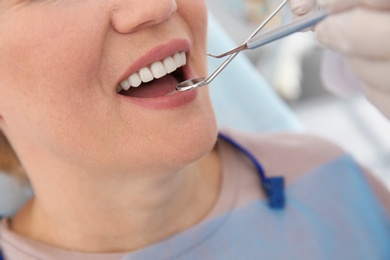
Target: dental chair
<point>241,97</point>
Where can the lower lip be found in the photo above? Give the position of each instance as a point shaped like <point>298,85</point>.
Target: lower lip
<point>176,100</point>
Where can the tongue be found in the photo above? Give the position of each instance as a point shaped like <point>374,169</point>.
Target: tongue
<point>156,88</point>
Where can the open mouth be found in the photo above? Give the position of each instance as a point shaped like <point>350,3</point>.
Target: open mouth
<point>155,80</point>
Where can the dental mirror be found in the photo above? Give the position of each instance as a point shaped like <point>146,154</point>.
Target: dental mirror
<point>191,84</point>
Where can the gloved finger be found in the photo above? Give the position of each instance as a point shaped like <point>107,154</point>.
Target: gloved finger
<point>374,73</point>
<point>301,7</point>
<point>362,32</point>
<point>339,5</point>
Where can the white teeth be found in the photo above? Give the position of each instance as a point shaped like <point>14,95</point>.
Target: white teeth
<point>157,70</point>
<point>170,65</point>
<point>135,80</point>
<point>183,58</point>
<point>125,84</point>
<point>178,60</point>
<point>146,75</point>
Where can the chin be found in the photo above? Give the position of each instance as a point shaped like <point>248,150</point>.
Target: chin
<point>170,139</point>
<point>193,147</point>
<point>192,139</point>
<point>188,143</point>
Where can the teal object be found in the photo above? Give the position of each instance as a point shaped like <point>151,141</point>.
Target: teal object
<point>273,186</point>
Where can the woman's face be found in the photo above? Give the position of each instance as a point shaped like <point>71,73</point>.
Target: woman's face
<point>61,65</point>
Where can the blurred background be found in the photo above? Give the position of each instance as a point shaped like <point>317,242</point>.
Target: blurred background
<point>291,66</point>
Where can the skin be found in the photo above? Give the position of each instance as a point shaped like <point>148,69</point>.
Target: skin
<point>131,170</point>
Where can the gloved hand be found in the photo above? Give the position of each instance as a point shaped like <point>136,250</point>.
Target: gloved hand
<point>359,30</point>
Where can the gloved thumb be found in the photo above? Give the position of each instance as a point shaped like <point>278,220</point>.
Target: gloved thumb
<point>301,7</point>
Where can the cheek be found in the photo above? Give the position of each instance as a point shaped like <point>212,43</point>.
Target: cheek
<point>47,71</point>
<point>38,58</point>
<point>48,43</point>
<point>196,11</point>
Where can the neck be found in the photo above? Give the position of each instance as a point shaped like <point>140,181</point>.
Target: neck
<point>106,215</point>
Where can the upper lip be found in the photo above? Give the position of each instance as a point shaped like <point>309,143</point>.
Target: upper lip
<point>157,53</point>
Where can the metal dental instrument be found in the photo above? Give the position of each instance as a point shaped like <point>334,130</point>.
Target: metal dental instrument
<point>278,33</point>
<point>254,42</point>
<point>199,82</point>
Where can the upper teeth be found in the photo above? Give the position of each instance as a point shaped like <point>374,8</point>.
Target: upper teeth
<point>155,71</point>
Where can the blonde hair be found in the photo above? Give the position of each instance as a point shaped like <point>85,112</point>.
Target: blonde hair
<point>9,162</point>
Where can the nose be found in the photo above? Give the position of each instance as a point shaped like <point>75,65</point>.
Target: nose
<point>130,15</point>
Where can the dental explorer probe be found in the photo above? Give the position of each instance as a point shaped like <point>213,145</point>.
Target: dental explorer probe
<point>277,33</point>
